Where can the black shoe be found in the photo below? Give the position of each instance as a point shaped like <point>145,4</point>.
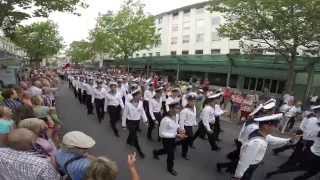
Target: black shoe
<point>186,158</point>
<point>142,155</point>
<point>173,172</point>
<point>155,155</point>
<point>275,152</point>
<point>215,148</point>
<point>117,134</point>
<point>268,175</point>
<point>218,165</point>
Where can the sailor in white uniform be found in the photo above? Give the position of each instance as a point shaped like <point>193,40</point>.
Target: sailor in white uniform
<point>155,104</point>
<point>99,94</point>
<point>114,105</point>
<point>253,151</point>
<point>132,114</point>
<point>188,119</point>
<point>169,132</point>
<point>207,117</point>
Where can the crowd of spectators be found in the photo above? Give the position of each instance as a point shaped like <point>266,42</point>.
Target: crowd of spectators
<point>32,145</point>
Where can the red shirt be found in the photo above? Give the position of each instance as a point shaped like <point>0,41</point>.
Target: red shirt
<point>227,94</point>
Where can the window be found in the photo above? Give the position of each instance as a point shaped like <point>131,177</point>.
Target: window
<point>186,13</point>
<point>157,53</point>
<point>150,54</point>
<point>185,52</point>
<point>215,51</point>
<point>199,25</point>
<point>200,38</point>
<point>234,51</point>
<point>173,53</point>
<point>159,20</point>
<point>186,25</point>
<point>137,55</point>
<point>200,10</point>
<point>199,52</point>
<point>186,39</point>
<point>175,16</point>
<point>174,40</point>
<point>258,51</point>
<point>175,28</point>
<point>215,36</point>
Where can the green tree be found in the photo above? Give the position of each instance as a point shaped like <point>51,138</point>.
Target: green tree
<point>40,40</point>
<point>80,51</point>
<point>121,34</point>
<point>281,25</point>
<point>14,11</point>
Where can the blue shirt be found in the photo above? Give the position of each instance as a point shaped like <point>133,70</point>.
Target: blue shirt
<point>76,169</point>
<point>5,126</point>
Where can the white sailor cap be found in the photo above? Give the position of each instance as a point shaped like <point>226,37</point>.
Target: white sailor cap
<point>138,90</point>
<point>255,111</point>
<point>271,103</point>
<point>215,96</point>
<point>112,83</point>
<point>159,89</point>
<point>174,104</point>
<point>269,118</point>
<point>315,107</point>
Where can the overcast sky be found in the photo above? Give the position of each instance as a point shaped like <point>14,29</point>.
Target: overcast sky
<point>73,27</point>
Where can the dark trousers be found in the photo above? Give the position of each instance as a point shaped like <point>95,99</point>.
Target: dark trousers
<point>185,143</point>
<point>99,104</point>
<point>309,164</point>
<point>216,128</point>
<point>249,172</point>
<point>133,137</point>
<point>158,118</point>
<point>298,154</point>
<point>291,122</point>
<point>150,121</point>
<point>79,95</point>
<point>169,149</point>
<point>75,92</point>
<point>89,104</point>
<point>202,130</point>
<point>115,115</point>
<point>84,97</point>
<point>233,156</point>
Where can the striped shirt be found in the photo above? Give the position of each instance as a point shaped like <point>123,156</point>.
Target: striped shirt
<point>18,165</point>
<point>76,169</point>
<point>12,104</point>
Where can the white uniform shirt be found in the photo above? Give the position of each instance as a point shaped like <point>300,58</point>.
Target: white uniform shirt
<point>315,148</point>
<point>188,117</point>
<point>292,112</point>
<point>133,112</point>
<point>184,100</point>
<point>309,128</point>
<point>168,128</point>
<point>99,93</point>
<point>208,117</point>
<point>147,95</point>
<point>284,108</point>
<point>251,153</point>
<point>113,100</point>
<point>155,106</point>
<point>217,110</point>
<point>246,130</point>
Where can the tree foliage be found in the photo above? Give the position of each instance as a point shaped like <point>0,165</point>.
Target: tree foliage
<point>121,34</point>
<point>40,40</point>
<point>281,25</point>
<point>14,11</point>
<point>80,51</point>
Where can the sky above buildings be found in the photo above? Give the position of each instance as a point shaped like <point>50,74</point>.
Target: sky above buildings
<point>74,28</point>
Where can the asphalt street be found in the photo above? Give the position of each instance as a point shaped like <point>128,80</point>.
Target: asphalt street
<point>202,163</point>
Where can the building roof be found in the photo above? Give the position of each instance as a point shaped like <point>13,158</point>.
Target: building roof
<point>197,5</point>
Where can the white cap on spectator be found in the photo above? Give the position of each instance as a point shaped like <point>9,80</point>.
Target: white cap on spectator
<point>78,139</point>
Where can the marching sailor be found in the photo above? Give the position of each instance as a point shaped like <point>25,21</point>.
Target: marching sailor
<point>155,105</point>
<point>169,132</point>
<point>133,112</point>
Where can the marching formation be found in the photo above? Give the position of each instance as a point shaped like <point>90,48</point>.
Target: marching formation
<point>178,116</point>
